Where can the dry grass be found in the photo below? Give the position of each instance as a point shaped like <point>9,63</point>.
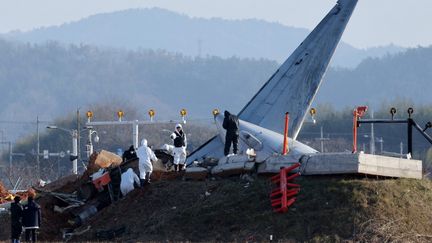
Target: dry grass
<point>329,209</point>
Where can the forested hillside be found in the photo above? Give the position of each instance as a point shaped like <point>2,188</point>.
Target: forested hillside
<point>52,79</point>
<point>405,75</point>
<point>136,29</point>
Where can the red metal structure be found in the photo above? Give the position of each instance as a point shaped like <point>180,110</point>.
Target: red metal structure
<point>283,196</point>
<point>357,113</point>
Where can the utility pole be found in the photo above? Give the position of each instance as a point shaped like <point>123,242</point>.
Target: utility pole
<point>37,148</point>
<point>78,143</point>
<point>10,159</point>
<point>322,139</point>
<point>11,154</point>
<point>74,154</point>
<point>9,143</point>
<point>372,136</point>
<point>75,150</point>
<point>89,144</point>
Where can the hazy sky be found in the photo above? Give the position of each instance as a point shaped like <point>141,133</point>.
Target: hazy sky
<point>375,22</point>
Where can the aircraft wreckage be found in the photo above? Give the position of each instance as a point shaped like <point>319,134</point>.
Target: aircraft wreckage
<point>292,89</point>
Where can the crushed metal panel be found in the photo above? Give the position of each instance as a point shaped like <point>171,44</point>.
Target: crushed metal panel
<point>212,148</point>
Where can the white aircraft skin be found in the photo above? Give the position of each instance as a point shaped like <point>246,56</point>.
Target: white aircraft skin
<point>264,141</point>
<point>291,88</point>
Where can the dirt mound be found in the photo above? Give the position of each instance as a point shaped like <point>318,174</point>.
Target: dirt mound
<point>328,209</point>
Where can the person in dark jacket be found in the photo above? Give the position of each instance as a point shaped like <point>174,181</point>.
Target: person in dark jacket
<point>129,154</point>
<point>231,125</point>
<point>16,219</point>
<point>31,219</point>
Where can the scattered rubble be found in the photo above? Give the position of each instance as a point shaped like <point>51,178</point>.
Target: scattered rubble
<point>73,200</point>
<point>5,196</point>
<point>176,210</point>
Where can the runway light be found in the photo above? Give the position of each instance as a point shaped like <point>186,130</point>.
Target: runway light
<point>151,113</point>
<point>120,114</point>
<point>361,110</point>
<point>392,112</point>
<point>89,114</point>
<point>183,114</point>
<point>410,111</point>
<point>215,112</point>
<point>312,111</point>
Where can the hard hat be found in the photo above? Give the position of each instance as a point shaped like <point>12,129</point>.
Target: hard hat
<point>178,126</point>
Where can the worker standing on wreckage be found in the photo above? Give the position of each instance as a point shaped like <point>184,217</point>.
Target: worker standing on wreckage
<point>146,156</point>
<point>179,151</point>
<point>231,125</point>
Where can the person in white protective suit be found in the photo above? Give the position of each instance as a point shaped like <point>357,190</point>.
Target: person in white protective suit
<point>180,144</point>
<point>146,157</point>
<point>128,179</point>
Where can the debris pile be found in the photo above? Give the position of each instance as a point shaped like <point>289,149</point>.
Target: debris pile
<point>73,200</point>
<point>332,209</point>
<point>5,196</point>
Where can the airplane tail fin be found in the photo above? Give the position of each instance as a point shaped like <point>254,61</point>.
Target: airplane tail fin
<point>294,85</point>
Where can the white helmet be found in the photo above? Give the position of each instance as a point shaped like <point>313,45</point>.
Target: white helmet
<point>178,126</point>
<point>144,142</point>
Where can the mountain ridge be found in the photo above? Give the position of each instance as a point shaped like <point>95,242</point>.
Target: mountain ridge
<point>192,36</point>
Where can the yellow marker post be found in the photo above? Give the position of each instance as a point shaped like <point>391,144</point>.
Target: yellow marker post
<point>151,113</point>
<point>120,115</point>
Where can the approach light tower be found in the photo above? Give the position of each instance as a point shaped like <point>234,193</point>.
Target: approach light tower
<point>135,123</point>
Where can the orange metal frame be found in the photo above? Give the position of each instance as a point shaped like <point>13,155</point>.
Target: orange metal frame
<point>357,114</point>
<point>285,142</point>
<point>283,196</point>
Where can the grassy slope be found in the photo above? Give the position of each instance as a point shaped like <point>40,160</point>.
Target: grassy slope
<point>328,209</point>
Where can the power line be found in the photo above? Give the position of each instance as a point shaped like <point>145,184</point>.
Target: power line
<point>23,122</point>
